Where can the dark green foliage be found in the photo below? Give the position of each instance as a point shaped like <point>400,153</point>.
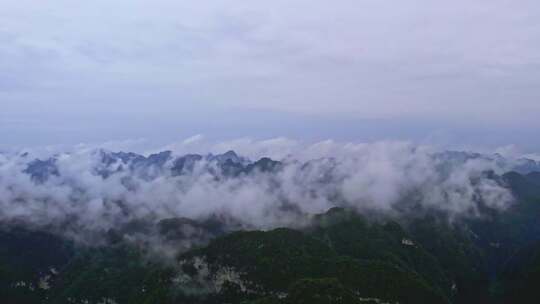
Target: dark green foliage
<point>463,262</point>
<point>524,186</point>
<point>320,291</point>
<point>25,257</point>
<point>505,235</point>
<point>32,252</point>
<point>277,259</point>
<point>273,259</point>
<point>267,300</point>
<point>120,273</point>
<point>521,276</point>
<point>384,281</point>
<point>350,234</point>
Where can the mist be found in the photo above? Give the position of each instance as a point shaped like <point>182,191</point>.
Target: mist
<point>85,193</point>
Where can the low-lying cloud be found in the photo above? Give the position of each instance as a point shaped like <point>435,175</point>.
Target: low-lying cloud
<point>91,191</point>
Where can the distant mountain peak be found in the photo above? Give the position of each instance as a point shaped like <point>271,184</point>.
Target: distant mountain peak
<point>227,156</point>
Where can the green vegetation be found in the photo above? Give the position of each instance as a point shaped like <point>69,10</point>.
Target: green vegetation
<point>120,273</point>
<point>341,257</point>
<point>271,262</point>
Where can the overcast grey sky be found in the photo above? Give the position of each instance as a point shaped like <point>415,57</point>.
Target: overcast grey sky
<point>462,72</point>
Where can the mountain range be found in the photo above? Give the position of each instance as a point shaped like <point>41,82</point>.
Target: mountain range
<point>413,253</point>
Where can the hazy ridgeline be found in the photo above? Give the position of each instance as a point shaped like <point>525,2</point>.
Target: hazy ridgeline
<point>85,193</point>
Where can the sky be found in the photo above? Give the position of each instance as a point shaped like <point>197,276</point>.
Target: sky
<point>455,73</point>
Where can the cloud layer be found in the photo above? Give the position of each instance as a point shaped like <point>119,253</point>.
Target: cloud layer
<point>101,70</point>
<point>89,191</point>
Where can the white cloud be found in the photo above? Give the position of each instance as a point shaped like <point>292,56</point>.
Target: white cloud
<point>362,176</point>
<point>132,64</point>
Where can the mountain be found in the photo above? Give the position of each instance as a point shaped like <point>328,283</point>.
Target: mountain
<point>231,164</point>
<point>519,165</point>
<point>157,164</point>
<point>340,256</point>
<point>412,253</point>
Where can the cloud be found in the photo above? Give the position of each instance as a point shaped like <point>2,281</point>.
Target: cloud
<point>83,202</point>
<point>193,139</point>
<point>131,65</point>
